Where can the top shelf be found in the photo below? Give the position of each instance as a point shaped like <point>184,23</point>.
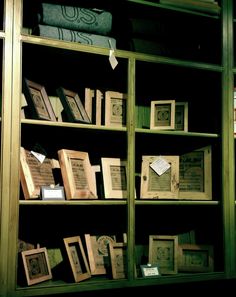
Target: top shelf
<point>134,35</point>
<point>168,7</point>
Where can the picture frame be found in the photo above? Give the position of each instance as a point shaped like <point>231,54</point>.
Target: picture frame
<point>118,256</point>
<point>115,109</point>
<point>77,258</point>
<point>195,176</point>
<point>78,175</point>
<point>100,108</point>
<point>98,252</point>
<point>162,115</point>
<point>195,258</point>
<point>90,104</point>
<point>181,116</point>
<point>35,174</point>
<point>163,251</point>
<point>73,106</point>
<point>114,172</point>
<point>38,101</point>
<point>36,265</point>
<point>154,186</point>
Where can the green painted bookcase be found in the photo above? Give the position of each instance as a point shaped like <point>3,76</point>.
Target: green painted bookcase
<point>163,53</point>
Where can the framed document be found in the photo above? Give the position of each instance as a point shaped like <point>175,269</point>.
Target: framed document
<point>163,251</point>
<point>98,252</point>
<point>181,116</point>
<point>162,115</point>
<point>195,258</point>
<point>78,175</point>
<point>36,265</point>
<point>38,101</point>
<point>34,174</point>
<point>73,106</point>
<point>195,175</point>
<point>77,258</point>
<point>155,186</point>
<point>118,260</point>
<point>114,172</point>
<point>115,109</point>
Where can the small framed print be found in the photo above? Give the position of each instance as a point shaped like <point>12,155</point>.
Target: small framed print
<point>73,106</point>
<point>77,258</point>
<point>98,254</point>
<point>195,175</point>
<point>162,115</point>
<point>118,260</point>
<point>78,175</point>
<point>38,101</point>
<point>150,271</point>
<point>35,174</point>
<point>155,186</point>
<point>163,251</point>
<point>195,258</point>
<point>115,109</point>
<point>181,116</point>
<point>36,265</point>
<point>114,171</point>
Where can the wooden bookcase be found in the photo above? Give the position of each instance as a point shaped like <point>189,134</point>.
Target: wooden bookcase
<point>196,68</point>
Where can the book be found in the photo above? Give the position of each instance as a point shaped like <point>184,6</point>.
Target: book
<point>201,6</point>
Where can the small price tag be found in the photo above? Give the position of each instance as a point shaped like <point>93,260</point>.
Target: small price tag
<point>52,193</point>
<point>38,156</point>
<point>112,59</point>
<point>150,270</point>
<point>160,165</point>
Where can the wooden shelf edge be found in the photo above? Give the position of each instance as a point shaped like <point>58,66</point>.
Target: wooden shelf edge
<point>177,202</point>
<point>61,287</point>
<point>73,202</point>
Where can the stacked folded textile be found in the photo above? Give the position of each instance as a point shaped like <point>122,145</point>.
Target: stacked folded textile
<point>75,24</point>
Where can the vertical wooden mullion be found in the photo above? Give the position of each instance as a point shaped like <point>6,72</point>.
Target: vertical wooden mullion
<point>15,146</point>
<point>228,155</point>
<point>131,166</point>
<point>6,144</point>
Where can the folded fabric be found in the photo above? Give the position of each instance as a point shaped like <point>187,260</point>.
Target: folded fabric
<point>75,36</point>
<point>75,18</point>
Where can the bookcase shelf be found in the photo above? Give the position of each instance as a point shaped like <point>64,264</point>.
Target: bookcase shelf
<point>171,64</point>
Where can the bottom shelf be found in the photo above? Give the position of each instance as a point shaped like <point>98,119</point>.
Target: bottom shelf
<point>99,284</point>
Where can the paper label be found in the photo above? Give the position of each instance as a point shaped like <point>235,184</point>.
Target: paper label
<point>38,156</point>
<point>112,59</point>
<point>150,271</point>
<point>160,166</point>
<point>54,193</point>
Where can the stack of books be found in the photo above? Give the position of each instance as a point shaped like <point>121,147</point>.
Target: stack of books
<point>206,6</point>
